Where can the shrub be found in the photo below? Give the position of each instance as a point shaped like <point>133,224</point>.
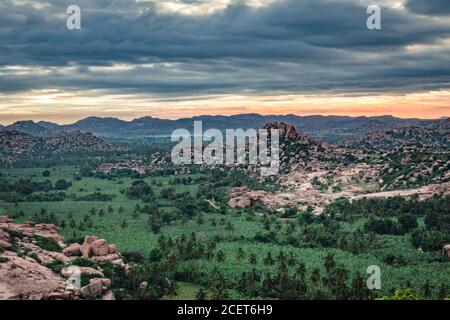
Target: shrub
<point>47,244</point>
<point>62,184</point>
<point>82,262</point>
<point>56,266</point>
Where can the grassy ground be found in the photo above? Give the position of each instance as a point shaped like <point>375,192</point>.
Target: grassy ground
<point>136,235</point>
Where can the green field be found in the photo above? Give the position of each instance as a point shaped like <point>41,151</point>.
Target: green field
<point>130,231</point>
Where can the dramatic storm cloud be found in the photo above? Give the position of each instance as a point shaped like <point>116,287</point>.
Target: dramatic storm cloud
<point>173,50</point>
<point>429,7</point>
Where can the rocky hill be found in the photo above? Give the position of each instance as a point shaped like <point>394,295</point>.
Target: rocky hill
<point>36,263</point>
<point>399,162</point>
<point>436,136</point>
<point>328,128</point>
<point>299,151</point>
<point>15,144</point>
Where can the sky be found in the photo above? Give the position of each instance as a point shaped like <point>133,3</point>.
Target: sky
<point>179,58</point>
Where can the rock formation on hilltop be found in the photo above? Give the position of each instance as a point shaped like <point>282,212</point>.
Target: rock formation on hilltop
<point>437,136</point>
<point>34,265</point>
<point>298,150</point>
<point>15,145</point>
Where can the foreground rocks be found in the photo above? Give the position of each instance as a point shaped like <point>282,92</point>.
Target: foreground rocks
<point>25,271</point>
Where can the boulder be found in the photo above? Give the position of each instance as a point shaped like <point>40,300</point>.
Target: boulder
<point>100,248</point>
<point>5,219</point>
<point>112,248</point>
<point>92,290</point>
<point>105,282</point>
<point>86,247</point>
<point>29,280</point>
<point>73,250</point>
<point>5,245</point>
<point>108,258</point>
<point>4,235</point>
<point>119,262</point>
<point>90,239</point>
<point>86,250</point>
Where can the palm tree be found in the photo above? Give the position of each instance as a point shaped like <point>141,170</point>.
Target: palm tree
<point>358,288</point>
<point>281,257</point>
<point>443,291</point>
<point>329,263</point>
<point>220,256</point>
<point>301,271</point>
<point>252,258</point>
<point>138,274</point>
<point>201,294</point>
<point>291,259</point>
<point>268,260</point>
<point>229,227</point>
<point>427,289</point>
<point>240,254</point>
<point>315,276</point>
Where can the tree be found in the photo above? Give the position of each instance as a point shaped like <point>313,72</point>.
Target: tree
<point>315,276</point>
<point>427,289</point>
<point>201,294</point>
<point>240,254</point>
<point>62,184</point>
<point>46,173</point>
<point>407,222</point>
<point>252,258</point>
<point>329,263</point>
<point>268,260</point>
<point>220,256</point>
<point>139,189</point>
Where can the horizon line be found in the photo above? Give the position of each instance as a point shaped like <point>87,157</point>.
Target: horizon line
<point>443,117</point>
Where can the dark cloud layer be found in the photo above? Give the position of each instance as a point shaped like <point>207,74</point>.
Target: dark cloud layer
<point>429,7</point>
<point>289,45</point>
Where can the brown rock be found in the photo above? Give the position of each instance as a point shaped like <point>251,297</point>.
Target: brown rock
<point>108,258</point>
<point>119,262</point>
<point>5,245</point>
<point>90,239</point>
<point>100,248</point>
<point>4,235</point>
<point>5,219</point>
<point>86,250</point>
<point>73,250</point>
<point>29,281</point>
<point>92,291</point>
<point>92,271</point>
<point>103,281</point>
<point>112,248</point>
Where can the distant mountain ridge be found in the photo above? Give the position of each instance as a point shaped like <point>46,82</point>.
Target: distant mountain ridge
<point>13,142</point>
<point>328,128</point>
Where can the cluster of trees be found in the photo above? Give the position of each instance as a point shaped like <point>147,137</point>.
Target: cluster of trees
<point>335,283</point>
<point>140,189</point>
<point>307,230</point>
<point>399,216</point>
<point>18,190</point>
